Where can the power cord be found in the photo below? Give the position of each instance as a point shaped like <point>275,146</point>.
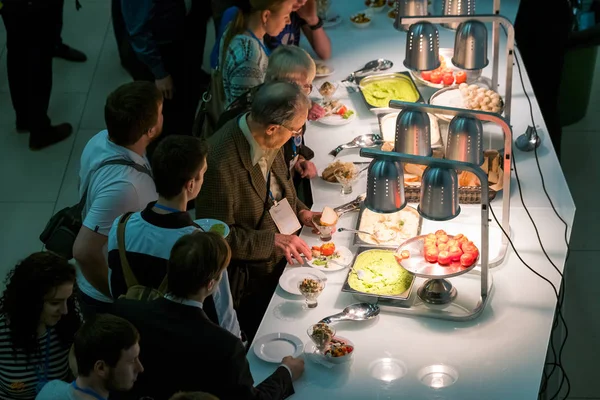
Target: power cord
<point>556,293</point>
<point>561,292</point>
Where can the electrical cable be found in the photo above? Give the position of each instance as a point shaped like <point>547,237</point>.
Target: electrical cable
<point>561,292</point>
<point>556,293</point>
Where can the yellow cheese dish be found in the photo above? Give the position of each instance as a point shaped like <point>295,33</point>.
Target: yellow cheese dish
<point>380,92</point>
<point>380,274</point>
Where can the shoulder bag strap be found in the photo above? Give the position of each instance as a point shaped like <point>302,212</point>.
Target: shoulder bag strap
<point>116,161</point>
<point>130,278</point>
<point>163,285</point>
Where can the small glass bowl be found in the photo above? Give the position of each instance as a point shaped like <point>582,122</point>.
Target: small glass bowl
<point>346,178</point>
<point>311,287</point>
<point>325,231</point>
<point>321,334</point>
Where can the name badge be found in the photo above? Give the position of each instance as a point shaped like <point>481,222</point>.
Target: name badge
<point>284,217</point>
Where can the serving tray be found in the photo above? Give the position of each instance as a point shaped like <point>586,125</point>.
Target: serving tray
<point>369,296</point>
<point>358,241</point>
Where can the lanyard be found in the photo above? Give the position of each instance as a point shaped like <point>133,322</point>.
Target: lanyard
<point>260,42</point>
<point>161,207</point>
<point>269,186</point>
<point>297,142</point>
<point>87,391</point>
<point>43,379</point>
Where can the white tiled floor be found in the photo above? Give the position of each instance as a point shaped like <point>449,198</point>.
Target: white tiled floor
<point>33,185</point>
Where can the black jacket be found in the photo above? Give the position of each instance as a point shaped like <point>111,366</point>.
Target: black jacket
<point>181,350</point>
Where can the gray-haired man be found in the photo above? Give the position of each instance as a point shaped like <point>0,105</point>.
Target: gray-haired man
<point>248,186</point>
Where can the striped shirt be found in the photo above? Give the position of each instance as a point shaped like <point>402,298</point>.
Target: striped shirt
<point>244,67</point>
<point>19,377</point>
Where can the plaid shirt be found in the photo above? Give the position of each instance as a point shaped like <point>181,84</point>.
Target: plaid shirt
<point>234,191</point>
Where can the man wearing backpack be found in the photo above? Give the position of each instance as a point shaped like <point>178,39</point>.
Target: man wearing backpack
<point>178,166</point>
<point>133,115</point>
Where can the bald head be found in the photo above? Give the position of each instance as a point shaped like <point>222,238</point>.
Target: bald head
<point>278,103</point>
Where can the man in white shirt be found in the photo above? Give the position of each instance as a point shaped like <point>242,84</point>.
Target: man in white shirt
<point>133,115</point>
<point>178,167</point>
<point>106,349</point>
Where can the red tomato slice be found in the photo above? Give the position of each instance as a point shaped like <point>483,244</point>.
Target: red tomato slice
<point>443,258</point>
<point>436,77</point>
<point>448,79</point>
<point>342,110</point>
<point>455,253</point>
<point>461,77</point>
<point>467,259</point>
<point>442,246</point>
<point>426,75</point>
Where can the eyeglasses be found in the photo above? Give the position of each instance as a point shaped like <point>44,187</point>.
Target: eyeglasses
<point>296,132</point>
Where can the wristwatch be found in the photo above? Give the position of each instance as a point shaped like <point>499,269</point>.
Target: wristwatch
<point>316,26</point>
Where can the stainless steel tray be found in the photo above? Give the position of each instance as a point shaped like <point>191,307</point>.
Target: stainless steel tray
<point>366,296</point>
<point>404,76</point>
<point>393,245</point>
<point>472,75</point>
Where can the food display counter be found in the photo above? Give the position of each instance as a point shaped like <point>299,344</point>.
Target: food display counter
<point>498,355</point>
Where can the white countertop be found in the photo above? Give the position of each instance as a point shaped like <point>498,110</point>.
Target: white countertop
<point>501,354</point>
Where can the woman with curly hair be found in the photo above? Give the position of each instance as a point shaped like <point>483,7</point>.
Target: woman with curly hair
<point>38,321</point>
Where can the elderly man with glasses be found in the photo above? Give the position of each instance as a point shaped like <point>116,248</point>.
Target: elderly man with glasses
<point>248,185</point>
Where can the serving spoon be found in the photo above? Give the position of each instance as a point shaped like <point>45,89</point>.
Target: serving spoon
<point>354,312</point>
<point>380,64</point>
<point>363,232</point>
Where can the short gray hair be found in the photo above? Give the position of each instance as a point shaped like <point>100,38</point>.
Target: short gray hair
<point>289,62</point>
<point>278,102</point>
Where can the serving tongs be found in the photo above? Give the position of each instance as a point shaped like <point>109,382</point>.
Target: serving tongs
<point>353,205</point>
<point>380,64</point>
<point>362,141</point>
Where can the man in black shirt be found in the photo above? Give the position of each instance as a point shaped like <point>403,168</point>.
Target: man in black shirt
<point>29,67</point>
<point>543,52</point>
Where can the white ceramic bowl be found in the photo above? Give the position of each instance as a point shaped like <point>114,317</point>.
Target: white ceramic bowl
<point>378,9</point>
<point>343,359</point>
<point>364,24</point>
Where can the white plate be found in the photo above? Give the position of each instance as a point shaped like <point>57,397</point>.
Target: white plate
<point>274,346</point>
<point>340,263</point>
<point>332,21</point>
<point>331,71</point>
<point>207,223</point>
<point>290,278</point>
<point>337,120</point>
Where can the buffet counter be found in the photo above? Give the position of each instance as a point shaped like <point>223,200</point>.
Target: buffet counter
<point>500,354</point>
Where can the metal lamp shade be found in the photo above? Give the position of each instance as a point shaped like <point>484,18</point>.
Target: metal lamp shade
<point>465,136</point>
<point>470,46</point>
<point>457,7</point>
<point>409,8</point>
<point>412,133</point>
<point>385,187</point>
<point>439,194</point>
<point>422,47</point>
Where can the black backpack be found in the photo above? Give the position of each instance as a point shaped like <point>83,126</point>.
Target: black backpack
<point>61,231</point>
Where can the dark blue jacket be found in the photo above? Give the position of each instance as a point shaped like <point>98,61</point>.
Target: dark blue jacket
<point>151,23</point>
